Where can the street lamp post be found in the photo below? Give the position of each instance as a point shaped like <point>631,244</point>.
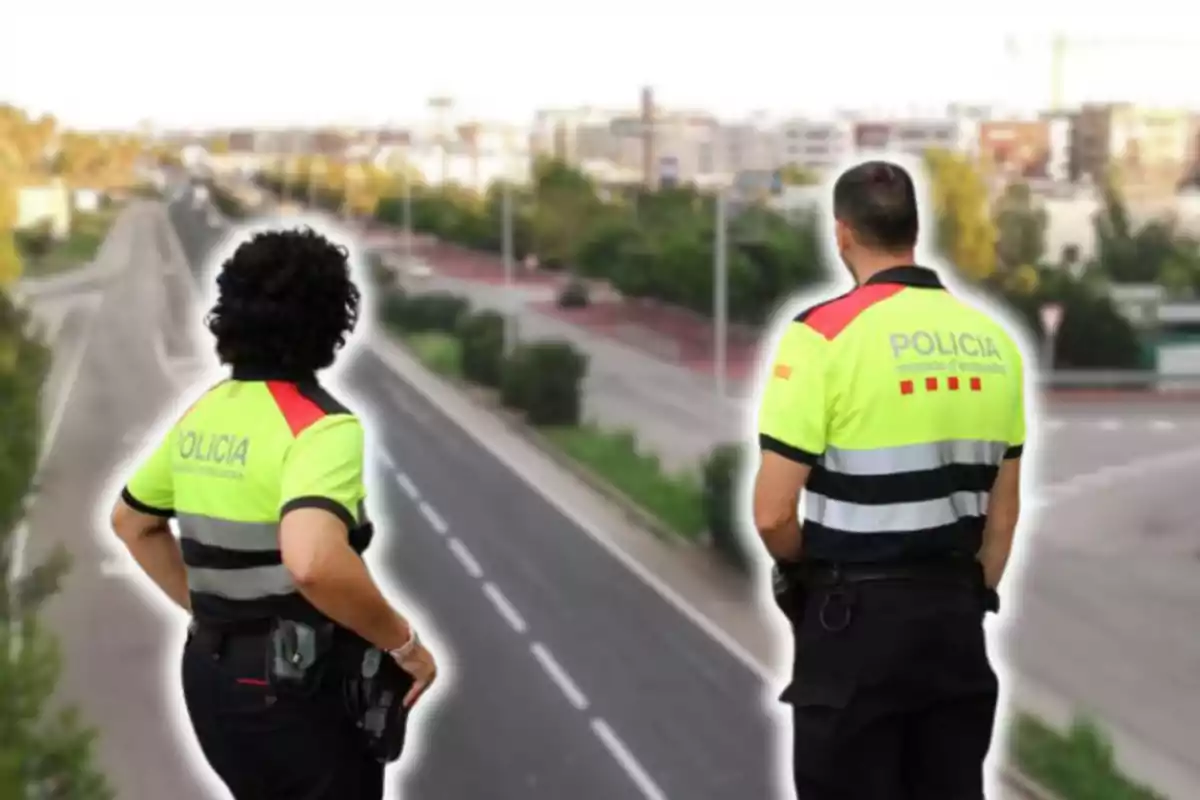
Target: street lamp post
<point>408,215</point>
<point>720,292</point>
<point>507,249</point>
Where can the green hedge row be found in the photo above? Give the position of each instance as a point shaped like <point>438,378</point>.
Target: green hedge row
<point>544,381</point>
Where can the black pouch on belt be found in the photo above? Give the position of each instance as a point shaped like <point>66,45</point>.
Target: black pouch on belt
<point>297,656</point>
<point>791,595</point>
<point>375,701</point>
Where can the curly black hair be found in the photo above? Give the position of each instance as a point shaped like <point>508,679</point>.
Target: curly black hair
<point>285,300</point>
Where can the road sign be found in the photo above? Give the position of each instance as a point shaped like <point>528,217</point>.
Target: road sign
<point>1051,317</point>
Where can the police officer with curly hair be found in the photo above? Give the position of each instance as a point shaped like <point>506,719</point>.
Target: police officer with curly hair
<point>298,674</point>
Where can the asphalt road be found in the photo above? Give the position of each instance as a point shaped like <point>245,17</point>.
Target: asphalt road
<point>570,677</point>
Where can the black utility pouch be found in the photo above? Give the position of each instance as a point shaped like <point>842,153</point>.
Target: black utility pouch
<point>375,701</point>
<point>791,595</point>
<point>297,656</point>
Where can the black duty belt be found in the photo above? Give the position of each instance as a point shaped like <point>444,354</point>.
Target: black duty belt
<point>821,574</point>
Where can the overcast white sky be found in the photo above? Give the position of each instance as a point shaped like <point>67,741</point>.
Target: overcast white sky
<point>266,62</point>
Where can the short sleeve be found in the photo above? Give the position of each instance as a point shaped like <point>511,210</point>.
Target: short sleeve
<point>793,414</point>
<point>324,469</point>
<point>1016,439</point>
<point>151,488</point>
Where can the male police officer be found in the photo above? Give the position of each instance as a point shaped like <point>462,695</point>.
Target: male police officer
<point>284,675</point>
<point>898,409</point>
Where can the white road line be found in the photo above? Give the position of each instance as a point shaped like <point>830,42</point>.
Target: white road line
<point>408,486</point>
<point>632,768</point>
<point>435,520</point>
<point>562,680</point>
<point>386,460</point>
<point>1055,424</point>
<point>506,609</point>
<point>1162,425</point>
<point>465,558</point>
<point>1110,424</point>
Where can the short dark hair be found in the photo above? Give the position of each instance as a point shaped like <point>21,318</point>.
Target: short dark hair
<point>285,300</point>
<point>877,200</point>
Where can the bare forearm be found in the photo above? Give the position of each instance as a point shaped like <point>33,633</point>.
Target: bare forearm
<point>997,547</point>
<point>344,591</point>
<point>783,541</point>
<point>159,556</point>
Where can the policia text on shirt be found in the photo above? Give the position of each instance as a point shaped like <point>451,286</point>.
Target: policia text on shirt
<point>898,410</point>
<point>298,675</point>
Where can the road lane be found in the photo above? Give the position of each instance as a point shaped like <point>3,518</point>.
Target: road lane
<point>689,711</point>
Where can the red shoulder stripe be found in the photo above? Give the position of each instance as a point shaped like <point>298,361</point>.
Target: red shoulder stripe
<point>832,318</point>
<point>297,410</point>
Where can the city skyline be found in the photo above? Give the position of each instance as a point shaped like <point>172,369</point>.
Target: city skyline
<point>231,68</point>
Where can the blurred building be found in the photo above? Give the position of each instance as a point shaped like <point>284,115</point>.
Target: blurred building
<point>1034,150</point>
<point>814,144</point>
<point>1151,149</point>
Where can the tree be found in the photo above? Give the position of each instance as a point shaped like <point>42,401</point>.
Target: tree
<point>46,753</point>
<point>566,201</point>
<point>10,261</point>
<point>966,233</point>
<point>795,175</point>
<point>1021,228</point>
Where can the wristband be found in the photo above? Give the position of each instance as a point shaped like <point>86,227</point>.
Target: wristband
<point>405,650</point>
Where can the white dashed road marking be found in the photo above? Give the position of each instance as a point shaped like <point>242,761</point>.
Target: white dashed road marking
<point>434,518</point>
<point>506,609</point>
<point>1162,425</point>
<point>550,665</point>
<point>1110,425</point>
<point>628,763</point>
<point>386,461</point>
<point>407,485</point>
<point>562,680</point>
<point>465,558</point>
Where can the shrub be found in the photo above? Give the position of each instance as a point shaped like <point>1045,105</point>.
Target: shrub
<point>722,475</point>
<point>574,295</point>
<point>482,336</point>
<point>545,382</point>
<point>516,378</point>
<point>437,311</point>
<point>392,304</point>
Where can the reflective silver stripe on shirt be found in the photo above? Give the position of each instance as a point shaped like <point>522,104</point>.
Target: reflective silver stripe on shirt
<point>894,517</point>
<point>254,583</point>
<point>229,535</point>
<point>913,457</point>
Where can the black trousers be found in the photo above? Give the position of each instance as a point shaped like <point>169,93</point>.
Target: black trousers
<point>893,696</point>
<point>267,747</point>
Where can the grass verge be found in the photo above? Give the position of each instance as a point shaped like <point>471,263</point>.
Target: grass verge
<point>1076,765</point>
<point>615,457</point>
<point>440,352</point>
<point>43,256</point>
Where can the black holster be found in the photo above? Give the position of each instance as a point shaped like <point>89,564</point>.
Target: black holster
<point>374,693</point>
<point>298,656</point>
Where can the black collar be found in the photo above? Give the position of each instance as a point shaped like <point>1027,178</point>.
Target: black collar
<point>912,275</point>
<point>250,372</point>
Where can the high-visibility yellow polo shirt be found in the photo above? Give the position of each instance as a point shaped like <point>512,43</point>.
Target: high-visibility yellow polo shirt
<point>904,400</point>
<point>247,452</point>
